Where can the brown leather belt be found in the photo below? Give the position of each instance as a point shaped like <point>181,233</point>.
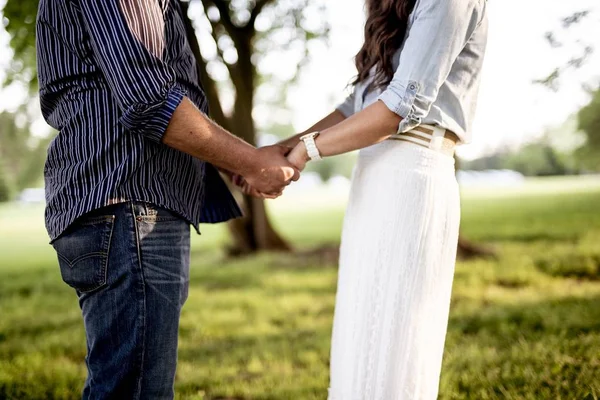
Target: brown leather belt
<point>432,137</point>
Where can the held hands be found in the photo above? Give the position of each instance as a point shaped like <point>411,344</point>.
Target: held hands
<point>272,173</point>
<point>277,172</point>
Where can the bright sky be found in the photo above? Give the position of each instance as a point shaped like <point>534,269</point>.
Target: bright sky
<point>511,109</point>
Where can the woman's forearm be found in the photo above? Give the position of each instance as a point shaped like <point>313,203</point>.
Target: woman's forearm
<point>365,128</point>
<point>332,119</point>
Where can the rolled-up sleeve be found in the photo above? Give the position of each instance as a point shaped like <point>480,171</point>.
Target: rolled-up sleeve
<point>347,108</point>
<point>128,39</point>
<point>439,31</point>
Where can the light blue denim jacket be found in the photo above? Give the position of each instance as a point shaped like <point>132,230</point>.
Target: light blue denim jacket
<point>438,68</point>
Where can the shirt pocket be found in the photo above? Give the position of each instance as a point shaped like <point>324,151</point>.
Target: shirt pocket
<point>83,253</point>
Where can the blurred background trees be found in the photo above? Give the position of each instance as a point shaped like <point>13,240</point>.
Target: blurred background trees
<point>589,123</point>
<point>574,146</point>
<point>236,38</point>
<point>244,34</point>
<point>22,155</point>
<point>237,43</point>
<point>585,157</point>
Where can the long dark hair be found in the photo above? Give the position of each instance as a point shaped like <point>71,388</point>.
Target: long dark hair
<point>385,30</point>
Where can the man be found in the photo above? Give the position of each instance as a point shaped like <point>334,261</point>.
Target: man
<point>131,168</point>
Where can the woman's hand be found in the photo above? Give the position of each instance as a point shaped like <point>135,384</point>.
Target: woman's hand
<point>298,157</point>
<point>249,190</point>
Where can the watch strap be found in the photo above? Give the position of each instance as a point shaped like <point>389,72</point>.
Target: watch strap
<point>311,146</point>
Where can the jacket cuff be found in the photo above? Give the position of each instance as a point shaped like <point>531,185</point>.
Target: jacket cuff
<point>400,99</point>
<point>151,120</point>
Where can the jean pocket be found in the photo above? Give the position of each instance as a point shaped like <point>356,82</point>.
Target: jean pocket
<point>156,214</point>
<point>83,253</point>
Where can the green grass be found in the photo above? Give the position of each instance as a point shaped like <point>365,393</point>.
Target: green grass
<point>525,325</point>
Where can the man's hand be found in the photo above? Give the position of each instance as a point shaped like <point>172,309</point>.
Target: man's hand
<point>250,191</point>
<point>271,174</point>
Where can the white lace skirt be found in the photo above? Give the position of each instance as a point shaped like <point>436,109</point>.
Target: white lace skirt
<point>395,279</point>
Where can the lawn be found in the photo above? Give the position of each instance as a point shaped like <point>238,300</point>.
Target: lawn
<point>525,325</point>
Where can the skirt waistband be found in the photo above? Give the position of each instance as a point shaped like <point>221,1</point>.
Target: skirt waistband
<point>433,137</point>
<point>400,154</point>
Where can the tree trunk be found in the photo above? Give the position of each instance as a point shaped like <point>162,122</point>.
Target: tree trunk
<point>254,231</point>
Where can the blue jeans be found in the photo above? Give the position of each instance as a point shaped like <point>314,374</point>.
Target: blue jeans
<point>129,264</point>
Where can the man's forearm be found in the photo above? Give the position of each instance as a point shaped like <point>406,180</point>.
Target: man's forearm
<point>192,132</point>
<point>332,119</point>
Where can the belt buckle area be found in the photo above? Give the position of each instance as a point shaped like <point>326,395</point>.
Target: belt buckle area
<point>432,137</point>
<point>448,147</point>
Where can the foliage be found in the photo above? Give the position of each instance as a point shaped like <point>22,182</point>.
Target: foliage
<point>259,328</point>
<point>5,190</point>
<point>535,159</point>
<point>19,21</point>
<point>589,123</point>
<point>22,155</point>
<point>329,167</point>
<point>244,34</point>
<point>579,51</point>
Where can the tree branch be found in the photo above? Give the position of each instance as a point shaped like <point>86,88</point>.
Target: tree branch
<point>223,7</point>
<point>260,4</point>
<point>235,73</point>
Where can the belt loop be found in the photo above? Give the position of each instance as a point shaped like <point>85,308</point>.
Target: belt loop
<point>437,139</point>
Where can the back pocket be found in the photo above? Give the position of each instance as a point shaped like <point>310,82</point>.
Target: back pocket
<point>83,253</point>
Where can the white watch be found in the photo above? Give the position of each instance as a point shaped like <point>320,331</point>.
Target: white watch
<point>311,146</point>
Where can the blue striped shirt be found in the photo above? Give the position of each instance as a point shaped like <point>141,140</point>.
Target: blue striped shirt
<point>111,73</point>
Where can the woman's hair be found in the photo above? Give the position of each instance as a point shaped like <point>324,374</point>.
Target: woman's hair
<point>385,30</point>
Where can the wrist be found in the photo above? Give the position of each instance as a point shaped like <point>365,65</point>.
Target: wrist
<point>310,145</point>
<point>304,152</point>
<point>251,164</point>
<point>291,142</point>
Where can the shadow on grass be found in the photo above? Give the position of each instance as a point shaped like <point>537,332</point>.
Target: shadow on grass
<point>568,315</point>
<point>33,328</point>
<point>530,237</point>
<point>252,271</point>
<point>571,265</point>
<point>227,363</point>
<point>24,284</point>
<point>239,348</point>
<point>532,351</point>
<point>226,280</point>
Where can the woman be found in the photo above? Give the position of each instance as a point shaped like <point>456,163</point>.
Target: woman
<point>413,101</point>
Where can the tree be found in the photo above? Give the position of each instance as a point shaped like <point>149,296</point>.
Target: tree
<point>21,155</point>
<point>589,123</point>
<point>581,49</point>
<point>242,33</point>
<point>233,29</point>
<point>19,21</point>
<point>5,191</point>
